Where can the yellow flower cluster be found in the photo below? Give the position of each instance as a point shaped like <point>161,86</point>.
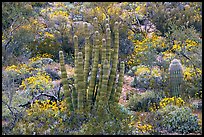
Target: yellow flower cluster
<point>60,4</point>
<point>114,10</point>
<point>59,13</point>
<point>191,43</point>
<point>153,107</point>
<point>45,55</point>
<point>49,35</point>
<point>176,47</point>
<point>141,46</point>
<point>46,10</point>
<point>166,101</point>
<point>20,68</point>
<point>189,73</point>
<point>200,122</point>
<point>26,27</point>
<point>33,59</point>
<point>174,101</point>
<point>141,70</point>
<point>13,68</point>
<point>40,56</point>
<point>168,55</point>
<point>99,12</point>
<point>52,107</point>
<point>56,11</point>
<point>144,128</point>
<point>37,82</point>
<point>155,72</point>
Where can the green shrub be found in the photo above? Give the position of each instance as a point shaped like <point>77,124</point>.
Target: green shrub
<point>163,14</point>
<point>147,77</point>
<point>115,122</point>
<point>177,119</point>
<point>142,102</point>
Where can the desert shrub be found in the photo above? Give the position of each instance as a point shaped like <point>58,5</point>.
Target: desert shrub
<point>113,122</point>
<point>37,83</point>
<point>167,101</point>
<point>16,30</point>
<point>176,119</point>
<point>22,70</point>
<point>11,99</point>
<point>43,117</point>
<point>147,77</point>
<point>144,129</point>
<point>146,50</point>
<point>163,14</point>
<point>142,102</point>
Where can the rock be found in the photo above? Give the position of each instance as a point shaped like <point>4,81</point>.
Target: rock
<point>134,68</point>
<point>46,61</point>
<point>37,64</point>
<point>53,74</point>
<point>130,73</point>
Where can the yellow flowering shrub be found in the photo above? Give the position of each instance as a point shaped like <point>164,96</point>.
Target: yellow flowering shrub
<point>142,70</point>
<point>24,68</point>
<point>12,68</point>
<point>147,44</point>
<point>176,46</point>
<point>155,72</point>
<point>189,73</point>
<point>167,101</point>
<point>168,55</point>
<point>42,118</point>
<point>52,108</point>
<point>99,12</point>
<point>39,82</point>
<point>57,11</point>
<point>144,127</point>
<point>103,10</point>
<point>20,70</point>
<point>40,56</point>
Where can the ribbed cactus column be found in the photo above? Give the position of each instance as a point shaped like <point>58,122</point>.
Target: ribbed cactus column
<point>108,38</point>
<point>65,83</point>
<point>103,58</point>
<point>75,94</point>
<point>81,84</point>
<point>95,24</point>
<point>94,69</point>
<point>111,81</point>
<point>104,85</point>
<point>176,77</point>
<point>120,82</point>
<point>86,61</point>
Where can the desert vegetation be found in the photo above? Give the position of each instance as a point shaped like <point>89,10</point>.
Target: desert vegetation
<point>101,68</point>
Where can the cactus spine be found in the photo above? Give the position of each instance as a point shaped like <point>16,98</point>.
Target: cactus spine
<point>91,89</point>
<point>176,77</point>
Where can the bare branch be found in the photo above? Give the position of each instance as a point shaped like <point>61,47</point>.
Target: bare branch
<point>36,97</point>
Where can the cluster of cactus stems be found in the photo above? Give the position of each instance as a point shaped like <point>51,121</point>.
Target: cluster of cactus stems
<point>176,77</point>
<point>92,90</point>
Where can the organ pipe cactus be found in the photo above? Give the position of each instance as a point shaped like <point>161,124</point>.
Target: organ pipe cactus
<point>67,92</point>
<point>96,86</point>
<point>176,77</point>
